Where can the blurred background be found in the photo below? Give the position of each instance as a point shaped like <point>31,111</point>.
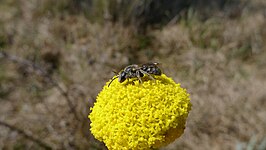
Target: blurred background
<point>55,57</point>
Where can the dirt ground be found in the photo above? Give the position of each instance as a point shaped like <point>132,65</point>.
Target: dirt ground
<point>53,65</point>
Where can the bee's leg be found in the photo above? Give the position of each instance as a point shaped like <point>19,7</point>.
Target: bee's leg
<point>132,81</point>
<point>144,72</point>
<point>139,77</point>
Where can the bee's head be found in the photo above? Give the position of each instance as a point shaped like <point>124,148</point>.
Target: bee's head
<point>122,76</point>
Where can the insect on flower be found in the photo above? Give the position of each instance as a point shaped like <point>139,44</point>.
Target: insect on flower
<point>138,71</point>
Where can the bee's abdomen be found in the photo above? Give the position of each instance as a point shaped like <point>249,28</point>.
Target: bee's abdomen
<point>152,70</point>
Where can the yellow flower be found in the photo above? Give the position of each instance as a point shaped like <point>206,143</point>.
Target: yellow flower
<point>131,115</point>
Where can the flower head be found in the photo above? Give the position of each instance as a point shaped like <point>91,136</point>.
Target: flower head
<point>131,115</point>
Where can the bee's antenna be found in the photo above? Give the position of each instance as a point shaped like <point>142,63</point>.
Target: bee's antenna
<point>115,72</point>
<point>112,80</point>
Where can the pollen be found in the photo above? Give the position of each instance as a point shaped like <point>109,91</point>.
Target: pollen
<point>133,115</point>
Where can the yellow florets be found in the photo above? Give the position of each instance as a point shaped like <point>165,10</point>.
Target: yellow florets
<point>131,115</point>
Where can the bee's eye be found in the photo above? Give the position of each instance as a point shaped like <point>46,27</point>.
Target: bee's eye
<point>123,74</point>
<point>122,77</point>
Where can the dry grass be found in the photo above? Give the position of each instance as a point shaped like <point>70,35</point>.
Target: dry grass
<point>220,61</point>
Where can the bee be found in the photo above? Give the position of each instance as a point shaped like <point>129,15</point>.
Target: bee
<point>138,71</point>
